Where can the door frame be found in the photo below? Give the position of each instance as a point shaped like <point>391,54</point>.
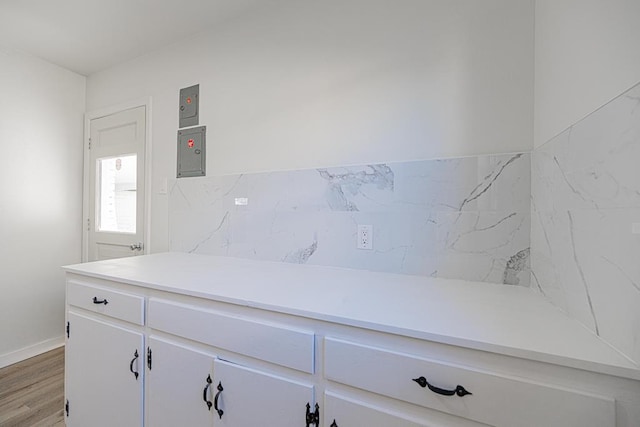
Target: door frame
<point>96,114</point>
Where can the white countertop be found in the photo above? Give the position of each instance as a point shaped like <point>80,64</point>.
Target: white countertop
<point>508,320</point>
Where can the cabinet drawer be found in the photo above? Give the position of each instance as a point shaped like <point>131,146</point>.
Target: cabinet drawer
<point>496,399</point>
<point>277,344</point>
<point>105,301</point>
<point>343,412</point>
<point>347,411</point>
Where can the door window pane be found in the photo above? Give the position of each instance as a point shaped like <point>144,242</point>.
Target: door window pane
<point>116,190</point>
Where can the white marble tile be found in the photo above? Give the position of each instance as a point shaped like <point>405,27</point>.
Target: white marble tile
<point>507,179</point>
<point>585,198</point>
<point>543,272</point>
<point>590,268</point>
<point>302,191</point>
<point>482,183</point>
<point>200,212</point>
<point>203,231</point>
<point>363,188</point>
<point>556,266</point>
<point>487,247</point>
<point>436,185</point>
<point>275,236</point>
<point>609,257</point>
<point>189,194</point>
<point>311,216</point>
<point>421,258</point>
<point>472,183</point>
<point>592,165</point>
<point>392,241</point>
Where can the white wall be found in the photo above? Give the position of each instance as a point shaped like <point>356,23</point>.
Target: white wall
<point>312,84</point>
<point>586,55</point>
<point>41,114</point>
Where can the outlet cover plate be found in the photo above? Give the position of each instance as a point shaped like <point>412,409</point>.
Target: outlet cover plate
<point>365,237</point>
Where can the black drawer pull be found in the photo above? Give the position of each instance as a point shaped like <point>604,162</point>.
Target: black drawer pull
<point>459,390</point>
<point>100,301</point>
<point>215,400</point>
<point>204,393</point>
<point>135,357</point>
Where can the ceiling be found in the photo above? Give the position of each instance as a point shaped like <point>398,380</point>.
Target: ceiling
<point>86,36</point>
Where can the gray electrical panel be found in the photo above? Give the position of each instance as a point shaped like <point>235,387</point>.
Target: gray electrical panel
<point>189,106</point>
<point>191,152</point>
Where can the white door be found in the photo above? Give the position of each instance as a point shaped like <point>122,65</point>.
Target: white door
<point>101,362</point>
<point>246,397</point>
<point>179,386</point>
<point>116,185</point>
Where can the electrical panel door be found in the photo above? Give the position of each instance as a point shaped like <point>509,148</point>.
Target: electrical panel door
<point>189,106</point>
<point>191,152</point>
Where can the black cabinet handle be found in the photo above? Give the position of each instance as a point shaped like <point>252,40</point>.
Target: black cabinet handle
<point>100,301</point>
<point>313,417</point>
<point>215,400</point>
<point>135,357</point>
<point>204,393</point>
<point>459,390</point>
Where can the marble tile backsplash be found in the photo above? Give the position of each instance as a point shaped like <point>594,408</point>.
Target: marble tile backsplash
<point>462,218</point>
<point>585,200</point>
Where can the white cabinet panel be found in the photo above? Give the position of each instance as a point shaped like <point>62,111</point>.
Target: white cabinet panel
<point>496,400</point>
<point>100,365</point>
<point>108,302</point>
<point>342,412</point>
<point>177,385</point>
<point>346,411</point>
<point>249,397</point>
<point>280,344</point>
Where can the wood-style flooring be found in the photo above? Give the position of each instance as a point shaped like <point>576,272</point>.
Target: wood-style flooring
<point>32,392</point>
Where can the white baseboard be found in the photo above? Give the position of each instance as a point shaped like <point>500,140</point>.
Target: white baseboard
<point>28,352</point>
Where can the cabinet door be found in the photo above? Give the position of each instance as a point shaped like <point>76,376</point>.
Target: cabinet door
<point>177,385</point>
<point>101,386</point>
<point>343,412</point>
<point>248,397</point>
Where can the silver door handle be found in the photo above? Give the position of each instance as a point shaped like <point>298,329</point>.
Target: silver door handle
<point>136,246</point>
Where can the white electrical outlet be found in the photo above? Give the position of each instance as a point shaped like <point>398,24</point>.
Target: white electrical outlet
<point>365,237</point>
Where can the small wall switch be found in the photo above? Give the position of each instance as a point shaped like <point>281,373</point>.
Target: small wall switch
<point>635,228</point>
<point>365,237</point>
<point>242,201</point>
<point>163,186</point>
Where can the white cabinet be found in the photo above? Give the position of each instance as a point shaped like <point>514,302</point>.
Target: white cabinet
<point>186,386</point>
<point>104,372</point>
<point>113,379</point>
<point>248,397</point>
<point>240,395</point>
<point>179,385</point>
<point>247,359</point>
